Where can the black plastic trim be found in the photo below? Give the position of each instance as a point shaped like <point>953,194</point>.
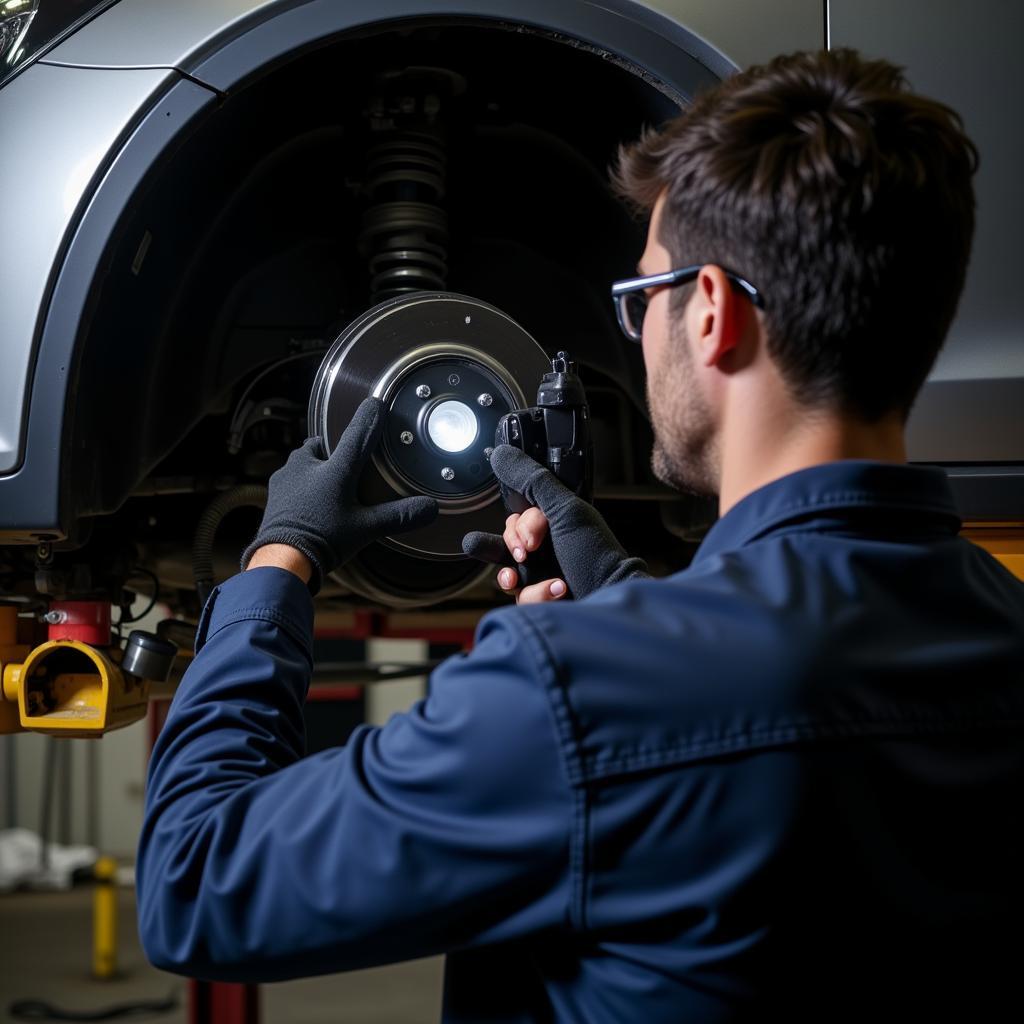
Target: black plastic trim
<point>988,492</point>
<point>631,31</point>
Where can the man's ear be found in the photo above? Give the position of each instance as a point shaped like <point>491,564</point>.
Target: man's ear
<point>718,318</point>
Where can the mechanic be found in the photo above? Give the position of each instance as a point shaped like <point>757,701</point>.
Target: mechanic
<point>784,780</point>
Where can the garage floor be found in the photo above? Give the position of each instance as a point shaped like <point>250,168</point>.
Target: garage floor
<point>45,954</point>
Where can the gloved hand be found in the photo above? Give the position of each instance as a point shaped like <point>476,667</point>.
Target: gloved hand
<point>589,555</point>
<point>312,503</point>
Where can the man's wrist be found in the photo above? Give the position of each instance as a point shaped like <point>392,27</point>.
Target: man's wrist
<point>282,556</point>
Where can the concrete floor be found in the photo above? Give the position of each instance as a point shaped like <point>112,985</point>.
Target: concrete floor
<point>45,954</point>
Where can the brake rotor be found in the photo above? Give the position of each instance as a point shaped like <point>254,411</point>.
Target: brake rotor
<point>447,367</point>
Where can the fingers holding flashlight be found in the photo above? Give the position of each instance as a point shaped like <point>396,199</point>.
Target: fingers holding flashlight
<point>524,533</point>
<point>536,593</point>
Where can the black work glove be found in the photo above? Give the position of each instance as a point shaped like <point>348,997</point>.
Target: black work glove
<point>587,552</point>
<point>312,503</point>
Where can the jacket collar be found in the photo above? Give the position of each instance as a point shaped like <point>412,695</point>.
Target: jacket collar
<point>836,491</point>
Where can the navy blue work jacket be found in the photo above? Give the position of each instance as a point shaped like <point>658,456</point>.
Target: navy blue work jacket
<point>785,783</point>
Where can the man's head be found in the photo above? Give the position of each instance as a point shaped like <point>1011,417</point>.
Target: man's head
<point>845,199</point>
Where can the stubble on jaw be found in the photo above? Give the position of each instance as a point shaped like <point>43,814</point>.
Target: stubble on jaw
<point>685,454</point>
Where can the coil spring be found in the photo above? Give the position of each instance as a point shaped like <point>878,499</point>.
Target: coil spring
<point>405,231</point>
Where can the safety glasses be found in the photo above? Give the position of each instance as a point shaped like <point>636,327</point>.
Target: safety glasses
<point>632,295</point>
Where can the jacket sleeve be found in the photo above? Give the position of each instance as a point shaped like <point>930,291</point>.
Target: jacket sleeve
<point>447,827</point>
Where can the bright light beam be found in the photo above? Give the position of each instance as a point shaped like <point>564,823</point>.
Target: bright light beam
<point>452,426</point>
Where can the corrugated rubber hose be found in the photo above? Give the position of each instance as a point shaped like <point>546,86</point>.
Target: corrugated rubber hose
<point>244,496</point>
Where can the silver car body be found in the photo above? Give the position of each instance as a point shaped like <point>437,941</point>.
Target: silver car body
<point>78,126</point>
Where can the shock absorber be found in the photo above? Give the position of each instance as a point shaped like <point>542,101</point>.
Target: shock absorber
<point>404,234</point>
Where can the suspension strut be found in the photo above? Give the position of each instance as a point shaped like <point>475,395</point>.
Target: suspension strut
<point>404,234</point>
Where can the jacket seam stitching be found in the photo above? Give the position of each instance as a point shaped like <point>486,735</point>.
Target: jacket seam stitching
<point>593,768</point>
<point>571,755</point>
<point>842,499</point>
<point>263,614</point>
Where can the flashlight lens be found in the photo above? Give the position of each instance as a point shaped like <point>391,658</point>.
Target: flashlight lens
<point>452,426</point>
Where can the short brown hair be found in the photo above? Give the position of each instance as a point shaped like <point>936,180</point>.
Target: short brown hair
<point>843,197</point>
